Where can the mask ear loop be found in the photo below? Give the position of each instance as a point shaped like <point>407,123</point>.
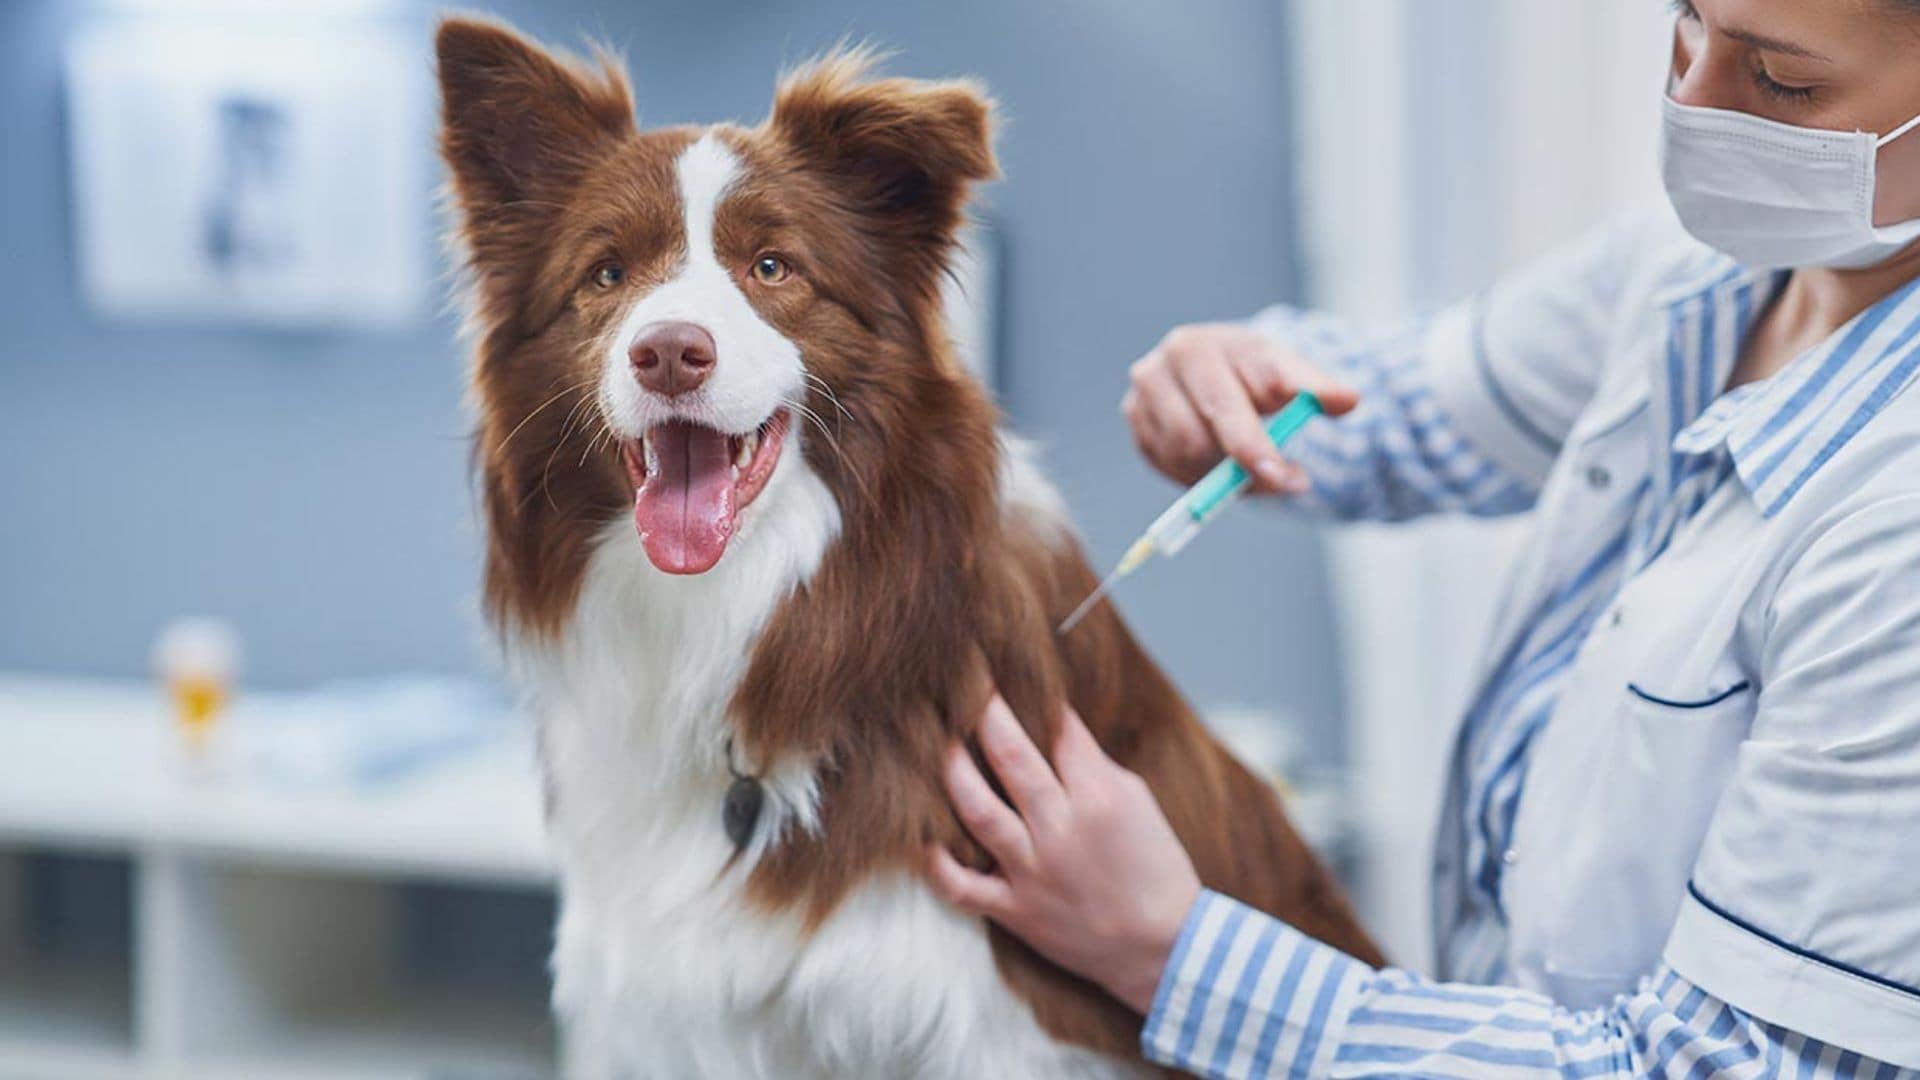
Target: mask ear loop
<point>1884,142</point>
<point>1897,132</point>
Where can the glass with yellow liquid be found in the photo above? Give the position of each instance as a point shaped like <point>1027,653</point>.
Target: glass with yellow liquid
<point>197,702</point>
<point>197,660</point>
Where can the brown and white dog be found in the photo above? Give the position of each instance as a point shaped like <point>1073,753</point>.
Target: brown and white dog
<point>729,341</point>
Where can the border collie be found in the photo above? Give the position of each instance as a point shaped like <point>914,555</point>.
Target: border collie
<point>757,549</point>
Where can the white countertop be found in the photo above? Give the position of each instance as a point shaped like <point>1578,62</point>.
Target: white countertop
<point>92,763</point>
<point>98,764</point>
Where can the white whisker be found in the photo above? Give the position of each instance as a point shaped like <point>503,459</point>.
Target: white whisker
<point>566,432</point>
<point>827,391</point>
<point>563,392</point>
<point>832,442</point>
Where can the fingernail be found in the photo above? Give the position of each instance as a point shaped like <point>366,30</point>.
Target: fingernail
<point>1273,473</point>
<point>1297,484</point>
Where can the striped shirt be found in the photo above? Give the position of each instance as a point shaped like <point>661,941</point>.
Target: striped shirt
<point>1245,996</point>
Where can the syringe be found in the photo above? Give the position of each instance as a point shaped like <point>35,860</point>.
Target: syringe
<point>1191,512</point>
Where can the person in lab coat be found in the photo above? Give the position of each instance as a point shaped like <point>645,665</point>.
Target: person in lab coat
<point>1682,828</point>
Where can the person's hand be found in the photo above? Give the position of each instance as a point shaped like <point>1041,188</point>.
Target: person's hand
<point>1090,873</point>
<point>1199,395</point>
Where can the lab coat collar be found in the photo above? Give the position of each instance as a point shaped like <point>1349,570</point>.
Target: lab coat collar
<point>1781,430</point>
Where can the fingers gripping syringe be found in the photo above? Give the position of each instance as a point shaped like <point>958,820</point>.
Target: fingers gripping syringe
<point>1191,512</point>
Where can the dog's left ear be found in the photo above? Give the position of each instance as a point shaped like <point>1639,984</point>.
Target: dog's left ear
<point>908,151</point>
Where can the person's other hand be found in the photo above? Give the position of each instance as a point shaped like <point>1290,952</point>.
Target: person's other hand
<point>1090,874</point>
<point>1200,394</point>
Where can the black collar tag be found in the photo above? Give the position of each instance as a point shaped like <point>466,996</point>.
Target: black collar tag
<point>740,810</point>
<point>740,807</point>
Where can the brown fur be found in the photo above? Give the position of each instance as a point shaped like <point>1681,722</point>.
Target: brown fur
<point>931,594</point>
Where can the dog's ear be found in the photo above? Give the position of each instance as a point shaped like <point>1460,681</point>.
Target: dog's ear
<point>908,151</point>
<point>518,123</point>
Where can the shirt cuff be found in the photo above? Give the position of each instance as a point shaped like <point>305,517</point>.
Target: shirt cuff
<point>1243,994</point>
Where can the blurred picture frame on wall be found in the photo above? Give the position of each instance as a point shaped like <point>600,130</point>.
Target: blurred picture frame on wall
<point>231,174</point>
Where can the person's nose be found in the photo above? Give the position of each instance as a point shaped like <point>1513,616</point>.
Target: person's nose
<point>672,358</point>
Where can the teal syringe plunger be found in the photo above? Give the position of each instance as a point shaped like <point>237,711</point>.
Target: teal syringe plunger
<point>1191,512</point>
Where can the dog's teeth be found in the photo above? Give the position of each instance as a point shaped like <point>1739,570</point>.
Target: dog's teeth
<point>748,444</point>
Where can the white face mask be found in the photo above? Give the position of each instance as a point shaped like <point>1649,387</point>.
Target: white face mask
<point>1775,196</point>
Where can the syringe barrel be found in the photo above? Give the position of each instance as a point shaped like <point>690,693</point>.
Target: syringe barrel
<point>1223,486</point>
<point>1174,529</point>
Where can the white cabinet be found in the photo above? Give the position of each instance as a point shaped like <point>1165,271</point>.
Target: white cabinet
<point>153,926</point>
<point>156,927</point>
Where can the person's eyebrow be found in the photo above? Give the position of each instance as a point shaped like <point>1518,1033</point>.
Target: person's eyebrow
<point>1767,44</point>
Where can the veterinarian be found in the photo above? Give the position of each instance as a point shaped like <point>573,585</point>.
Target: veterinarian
<point>1682,828</point>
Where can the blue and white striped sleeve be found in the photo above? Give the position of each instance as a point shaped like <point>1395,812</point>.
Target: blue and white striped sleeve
<point>1399,454</point>
<point>1245,996</point>
<point>1467,410</point>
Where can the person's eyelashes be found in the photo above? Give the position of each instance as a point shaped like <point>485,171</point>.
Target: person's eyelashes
<point>1780,91</point>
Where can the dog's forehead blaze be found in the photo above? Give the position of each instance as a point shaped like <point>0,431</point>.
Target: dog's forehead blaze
<point>763,196</point>
<point>634,205</point>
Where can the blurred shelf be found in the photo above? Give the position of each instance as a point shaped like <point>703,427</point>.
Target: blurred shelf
<point>66,973</point>
<point>35,1060</point>
<point>277,929</point>
<point>414,1032</point>
<point>65,1019</point>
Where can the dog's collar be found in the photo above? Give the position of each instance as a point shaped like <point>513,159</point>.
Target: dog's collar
<point>740,806</point>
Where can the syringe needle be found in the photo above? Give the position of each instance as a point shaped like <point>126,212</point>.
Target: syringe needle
<point>1087,605</point>
<point>1198,505</point>
<point>1137,554</point>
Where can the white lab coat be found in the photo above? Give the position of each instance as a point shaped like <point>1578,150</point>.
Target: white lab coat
<point>1730,781</point>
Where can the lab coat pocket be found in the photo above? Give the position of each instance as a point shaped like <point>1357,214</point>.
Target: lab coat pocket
<point>1650,698</point>
<point>1654,778</point>
<point>1685,742</point>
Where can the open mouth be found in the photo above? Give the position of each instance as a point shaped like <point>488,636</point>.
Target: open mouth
<point>690,484</point>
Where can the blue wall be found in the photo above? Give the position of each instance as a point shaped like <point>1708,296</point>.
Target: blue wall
<point>313,487</point>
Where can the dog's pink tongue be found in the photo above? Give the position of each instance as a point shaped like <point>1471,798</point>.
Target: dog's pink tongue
<point>684,508</point>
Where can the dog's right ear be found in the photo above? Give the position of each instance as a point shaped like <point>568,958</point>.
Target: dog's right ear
<point>518,123</point>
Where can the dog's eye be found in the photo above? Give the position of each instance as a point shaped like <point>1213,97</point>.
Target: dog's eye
<point>607,275</point>
<point>770,269</point>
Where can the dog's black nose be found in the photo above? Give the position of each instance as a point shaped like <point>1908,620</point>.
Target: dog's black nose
<point>672,358</point>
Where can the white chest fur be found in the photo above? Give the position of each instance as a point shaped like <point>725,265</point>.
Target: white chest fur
<point>661,969</point>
